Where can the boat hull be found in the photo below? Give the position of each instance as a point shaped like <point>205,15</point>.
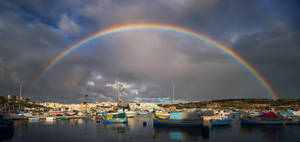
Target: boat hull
<point>255,121</point>
<point>65,118</point>
<point>50,118</point>
<point>177,122</point>
<point>293,120</point>
<point>226,122</point>
<point>33,119</point>
<point>113,121</point>
<point>130,114</point>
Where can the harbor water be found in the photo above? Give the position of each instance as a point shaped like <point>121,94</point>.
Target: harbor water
<point>142,129</point>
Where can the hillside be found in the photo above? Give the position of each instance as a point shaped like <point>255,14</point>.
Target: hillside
<point>280,104</point>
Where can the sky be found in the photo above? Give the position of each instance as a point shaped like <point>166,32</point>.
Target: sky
<point>146,63</point>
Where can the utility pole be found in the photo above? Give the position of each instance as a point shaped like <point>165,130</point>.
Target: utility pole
<point>20,97</point>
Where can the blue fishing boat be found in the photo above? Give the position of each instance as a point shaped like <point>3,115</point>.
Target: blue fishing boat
<point>65,118</point>
<point>292,120</point>
<point>269,118</point>
<point>220,122</point>
<point>114,118</point>
<point>166,121</point>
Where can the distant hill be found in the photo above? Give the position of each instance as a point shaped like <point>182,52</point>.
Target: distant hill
<point>280,104</point>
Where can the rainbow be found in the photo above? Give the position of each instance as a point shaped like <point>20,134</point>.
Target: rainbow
<point>157,26</point>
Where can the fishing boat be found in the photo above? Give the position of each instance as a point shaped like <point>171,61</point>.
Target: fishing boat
<point>163,114</point>
<point>65,118</point>
<point>50,118</point>
<point>130,114</point>
<point>111,118</point>
<point>269,118</point>
<point>23,113</point>
<point>220,122</point>
<point>33,119</point>
<point>143,113</point>
<point>176,121</point>
<point>292,120</point>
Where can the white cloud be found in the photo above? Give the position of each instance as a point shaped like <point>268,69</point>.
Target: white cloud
<point>91,83</point>
<point>67,25</point>
<point>120,85</point>
<point>99,77</point>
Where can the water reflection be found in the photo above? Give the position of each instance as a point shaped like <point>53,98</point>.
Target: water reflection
<point>178,133</point>
<point>269,132</point>
<point>49,122</point>
<point>90,130</point>
<point>218,129</point>
<point>7,135</point>
<point>117,128</point>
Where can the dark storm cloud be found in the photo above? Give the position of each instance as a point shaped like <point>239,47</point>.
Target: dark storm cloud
<point>31,33</point>
<point>275,54</point>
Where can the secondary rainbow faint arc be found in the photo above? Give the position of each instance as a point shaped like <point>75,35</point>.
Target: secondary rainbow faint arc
<point>158,26</point>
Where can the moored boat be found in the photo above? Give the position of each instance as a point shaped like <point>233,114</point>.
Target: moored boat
<point>143,112</point>
<point>224,121</point>
<point>220,122</point>
<point>130,114</point>
<point>159,120</point>
<point>114,118</point>
<point>221,119</point>
<point>65,118</point>
<point>33,119</point>
<point>163,114</point>
<point>269,118</point>
<point>50,118</point>
<point>293,120</point>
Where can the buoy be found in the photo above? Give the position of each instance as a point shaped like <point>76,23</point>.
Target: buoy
<point>144,123</point>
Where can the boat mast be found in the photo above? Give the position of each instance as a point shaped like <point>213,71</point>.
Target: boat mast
<point>173,92</point>
<point>20,90</point>
<point>86,99</point>
<point>118,85</point>
<point>20,95</point>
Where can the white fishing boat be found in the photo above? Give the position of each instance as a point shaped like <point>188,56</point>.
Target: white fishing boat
<point>143,112</point>
<point>163,114</point>
<point>33,119</point>
<point>130,114</point>
<point>50,118</point>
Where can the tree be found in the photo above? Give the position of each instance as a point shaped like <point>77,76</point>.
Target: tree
<point>27,100</point>
<point>3,102</point>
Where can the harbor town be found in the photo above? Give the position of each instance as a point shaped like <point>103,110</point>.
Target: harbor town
<point>182,121</point>
<point>288,110</point>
